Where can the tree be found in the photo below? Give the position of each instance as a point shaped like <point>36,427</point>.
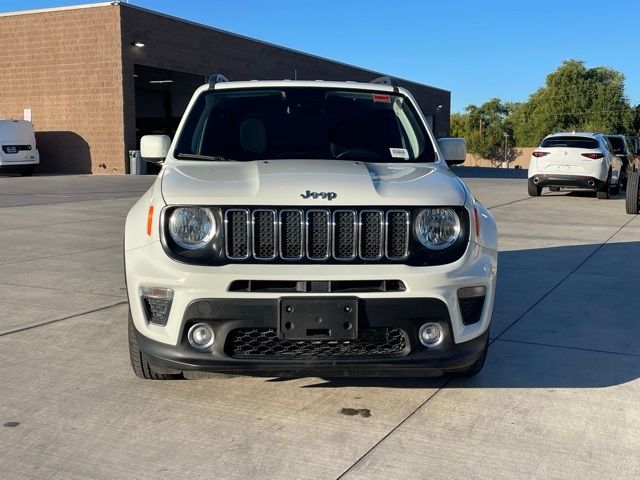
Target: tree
<point>484,128</point>
<point>574,98</point>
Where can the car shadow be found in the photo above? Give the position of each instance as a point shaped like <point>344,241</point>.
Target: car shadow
<point>554,323</point>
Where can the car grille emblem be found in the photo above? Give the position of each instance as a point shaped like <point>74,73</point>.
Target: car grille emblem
<point>324,195</point>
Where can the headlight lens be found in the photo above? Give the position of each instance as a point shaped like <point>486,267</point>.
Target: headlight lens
<point>437,228</point>
<point>192,227</point>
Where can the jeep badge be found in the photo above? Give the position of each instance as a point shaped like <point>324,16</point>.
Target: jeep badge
<point>314,195</point>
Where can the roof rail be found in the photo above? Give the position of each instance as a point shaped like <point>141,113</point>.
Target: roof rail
<point>385,81</point>
<point>216,78</point>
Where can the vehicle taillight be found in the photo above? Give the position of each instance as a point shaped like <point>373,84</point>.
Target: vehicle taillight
<point>593,156</point>
<point>540,154</point>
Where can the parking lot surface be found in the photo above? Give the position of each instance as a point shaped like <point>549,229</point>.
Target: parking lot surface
<point>558,397</point>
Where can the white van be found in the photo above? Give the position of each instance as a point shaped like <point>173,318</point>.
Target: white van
<point>18,150</point>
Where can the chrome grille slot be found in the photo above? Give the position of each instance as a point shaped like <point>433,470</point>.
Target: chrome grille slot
<point>317,234</point>
<point>345,231</point>
<point>291,234</point>
<point>371,234</point>
<point>237,233</point>
<point>264,234</point>
<point>397,234</point>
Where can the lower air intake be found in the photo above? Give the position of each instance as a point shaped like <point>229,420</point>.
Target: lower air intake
<point>264,343</point>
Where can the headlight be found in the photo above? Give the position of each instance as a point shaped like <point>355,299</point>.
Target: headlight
<point>192,227</point>
<point>437,228</point>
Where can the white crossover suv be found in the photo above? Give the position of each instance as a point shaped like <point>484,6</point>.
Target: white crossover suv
<point>581,160</point>
<point>307,227</point>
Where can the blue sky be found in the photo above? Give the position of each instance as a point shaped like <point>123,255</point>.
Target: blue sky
<point>476,49</point>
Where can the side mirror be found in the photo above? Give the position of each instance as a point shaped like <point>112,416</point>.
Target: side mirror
<point>454,150</point>
<point>154,148</point>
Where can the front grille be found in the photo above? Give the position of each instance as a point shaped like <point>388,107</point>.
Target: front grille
<point>264,343</point>
<point>317,234</point>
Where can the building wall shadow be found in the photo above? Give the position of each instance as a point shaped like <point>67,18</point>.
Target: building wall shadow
<point>63,152</point>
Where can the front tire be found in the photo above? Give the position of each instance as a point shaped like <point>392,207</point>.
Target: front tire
<point>534,191</point>
<point>633,193</point>
<point>140,363</point>
<point>477,366</point>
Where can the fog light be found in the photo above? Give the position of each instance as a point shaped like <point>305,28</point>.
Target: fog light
<point>431,335</point>
<point>157,304</point>
<point>200,336</point>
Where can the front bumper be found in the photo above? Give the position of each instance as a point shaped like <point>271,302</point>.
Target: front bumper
<point>227,316</point>
<point>573,181</point>
<point>430,294</point>
<point>8,162</point>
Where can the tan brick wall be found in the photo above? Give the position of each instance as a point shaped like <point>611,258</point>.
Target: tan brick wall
<point>67,67</point>
<point>521,160</point>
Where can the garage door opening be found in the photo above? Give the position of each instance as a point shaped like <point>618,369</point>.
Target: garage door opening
<point>162,97</point>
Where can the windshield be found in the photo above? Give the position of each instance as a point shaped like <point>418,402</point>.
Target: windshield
<point>298,122</point>
<point>570,142</point>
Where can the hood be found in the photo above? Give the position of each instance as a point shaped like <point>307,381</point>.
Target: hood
<point>309,183</point>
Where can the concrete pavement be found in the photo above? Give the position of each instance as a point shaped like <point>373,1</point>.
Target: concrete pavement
<point>557,398</point>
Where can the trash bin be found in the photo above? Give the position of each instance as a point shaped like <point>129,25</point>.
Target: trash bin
<point>136,165</point>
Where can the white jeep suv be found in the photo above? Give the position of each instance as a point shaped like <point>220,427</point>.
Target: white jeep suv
<point>577,160</point>
<point>307,227</point>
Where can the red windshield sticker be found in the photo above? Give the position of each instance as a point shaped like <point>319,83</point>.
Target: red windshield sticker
<point>378,97</point>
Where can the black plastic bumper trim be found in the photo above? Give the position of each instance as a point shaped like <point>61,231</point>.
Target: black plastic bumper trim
<point>227,314</point>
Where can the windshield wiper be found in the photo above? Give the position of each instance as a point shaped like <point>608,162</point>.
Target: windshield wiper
<point>193,156</point>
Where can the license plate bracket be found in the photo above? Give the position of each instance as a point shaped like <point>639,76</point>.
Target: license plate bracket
<point>318,318</point>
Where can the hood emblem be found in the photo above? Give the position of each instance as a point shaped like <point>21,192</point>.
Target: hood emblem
<point>324,195</point>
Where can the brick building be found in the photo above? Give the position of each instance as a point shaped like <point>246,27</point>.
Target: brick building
<point>92,92</point>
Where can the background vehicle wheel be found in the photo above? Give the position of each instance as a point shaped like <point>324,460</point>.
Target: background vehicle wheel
<point>141,367</point>
<point>604,191</point>
<point>621,178</point>
<point>554,189</point>
<point>615,190</point>
<point>27,171</point>
<point>624,180</point>
<point>534,191</point>
<point>633,193</point>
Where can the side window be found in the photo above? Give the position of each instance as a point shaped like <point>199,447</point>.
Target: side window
<point>627,142</point>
